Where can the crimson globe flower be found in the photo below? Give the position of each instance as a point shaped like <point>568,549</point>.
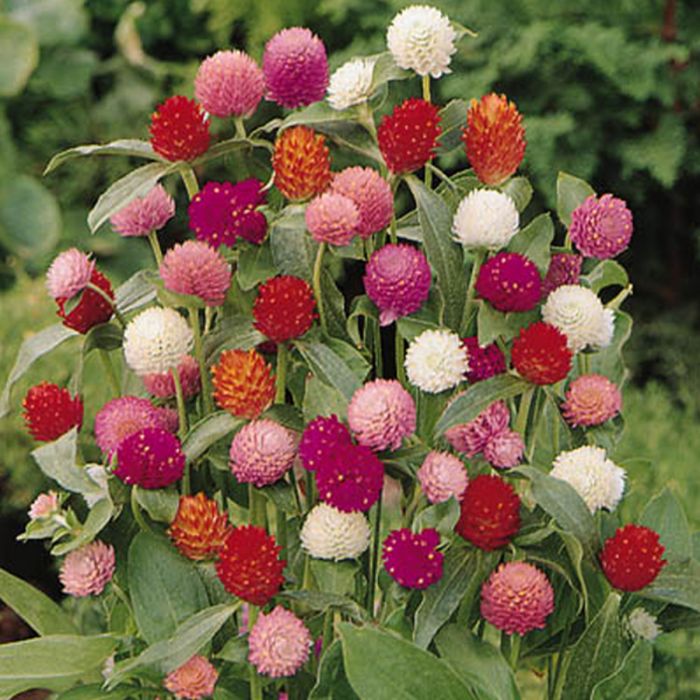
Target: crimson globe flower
<point>50,411</point>
<point>92,309</point>
<point>179,129</point>
<point>541,354</point>
<point>631,558</point>
<point>484,362</point>
<point>284,308</point>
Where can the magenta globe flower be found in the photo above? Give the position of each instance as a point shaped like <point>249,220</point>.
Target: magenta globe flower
<point>321,437</point>
<point>510,282</point>
<point>411,558</point>
<point>151,458</point>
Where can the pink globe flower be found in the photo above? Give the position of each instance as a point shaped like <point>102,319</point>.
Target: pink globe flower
<point>591,400</point>
<point>197,269</point>
<point>144,214</point>
<point>411,559</point>
<point>170,418</point>
<point>195,679</point>
<point>86,571</point>
<point>601,228</point>
<point>162,386</point>
<point>381,414</point>
<point>44,506</point>
<point>229,83</point>
<point>504,450</point>
<point>295,67</point>
<point>510,282</point>
<point>151,458</point>
<point>484,362</point>
<point>321,438</point>
<point>471,438</point>
<point>517,597</point>
<point>332,218</point>
<point>442,476</point>
<point>564,268</point>
<point>69,274</point>
<point>279,643</point>
<point>397,279</point>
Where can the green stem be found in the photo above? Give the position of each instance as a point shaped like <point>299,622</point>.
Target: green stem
<point>94,288</point>
<point>240,128</point>
<point>109,371</point>
<point>295,489</point>
<point>256,692</point>
<point>181,412</point>
<point>309,482</point>
<point>520,425</point>
<point>376,332</point>
<point>426,97</point>
<point>318,269</point>
<point>155,244</point>
<point>281,377</point>
<point>514,657</point>
<point>281,523</point>
<point>199,352</point>
<point>136,511</point>
<point>374,563</point>
<point>560,660</point>
<point>257,507</point>
<point>393,236</point>
<point>190,180</point>
<point>400,355</point>
<point>327,631</point>
<point>465,607</point>
<point>615,303</point>
<point>479,255</point>
<point>367,120</point>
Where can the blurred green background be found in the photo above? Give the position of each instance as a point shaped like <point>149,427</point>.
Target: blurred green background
<point>610,92</point>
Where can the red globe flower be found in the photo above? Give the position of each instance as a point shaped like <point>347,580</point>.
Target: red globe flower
<point>50,412</point>
<point>284,308</point>
<point>631,558</point>
<point>179,129</point>
<point>541,354</point>
<point>91,310</point>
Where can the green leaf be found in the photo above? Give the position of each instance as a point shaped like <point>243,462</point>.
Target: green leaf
<point>440,516</point>
<point>336,577</point>
<point>36,609</point>
<point>121,147</point>
<point>281,495</point>
<point>362,307</point>
<point>136,292</point>
<point>234,332</point>
<point>160,504</point>
<point>164,586</point>
<point>332,683</point>
<point>382,666</point>
<point>255,265</point>
<point>678,583</point>
<point>207,432</point>
<point>633,680</point>
<point>288,416</point>
<point>665,515</point>
<point>322,602</point>
<point>477,663</point>
<point>610,362</point>
<point>106,336</point>
<point>19,56</point>
<point>328,365</point>
<point>293,250</point>
<point>386,70</point>
<point>534,242</point>
<point>323,400</point>
<point>100,514</point>
<point>453,118</point>
<point>96,691</point>
<point>315,115</point>
<point>520,191</point>
<point>571,192</point>
<point>607,273</point>
<point>491,323</point>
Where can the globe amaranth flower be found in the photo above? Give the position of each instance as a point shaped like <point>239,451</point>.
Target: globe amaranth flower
<point>564,268</point>
<point>321,437</point>
<point>151,458</point>
<point>421,38</point>
<point>510,282</point>
<point>196,269</point>
<point>601,228</point>
<point>179,129</point>
<point>145,214</point>
<point>411,558</point>
<point>581,316</point>
<point>472,437</point>
<point>278,643</point>
<point>44,506</point>
<point>381,414</point>
<point>86,571</point>
<point>504,450</point>
<point>92,309</point>
<point>631,559</point>
<point>484,362</point>
<point>249,565</point>
<point>490,512</point>
<point>640,624</point>
<point>436,361</point>
<point>486,219</point>
<point>284,308</point>
<point>494,138</point>
<point>261,452</point>
<point>199,529</point>
<point>195,679</point>
<point>331,534</point>
<point>442,476</point>
<point>517,598</point>
<point>351,84</point>
<point>397,279</point>
<point>243,383</point>
<point>295,67</point>
<point>371,194</point>
<point>221,212</point>
<point>408,137</point>
<point>156,341</point>
<point>170,418</point>
<point>591,400</point>
<point>229,83</point>
<point>50,411</point>
<point>162,385</point>
<point>69,274</point>
<point>541,354</point>
<point>302,163</point>
<point>332,218</point>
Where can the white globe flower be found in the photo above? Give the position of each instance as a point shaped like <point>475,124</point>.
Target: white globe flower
<point>486,219</point>
<point>640,623</point>
<point>580,315</point>
<point>436,361</point>
<point>598,480</point>
<point>351,84</point>
<point>421,38</point>
<point>330,534</point>
<point>156,341</point>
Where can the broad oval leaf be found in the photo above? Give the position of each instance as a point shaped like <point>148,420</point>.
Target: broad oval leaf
<point>607,273</point>
<point>665,515</point>
<point>534,242</point>
<point>329,366</point>
<point>160,504</point>
<point>633,680</point>
<point>571,192</point>
<point>97,519</point>
<point>332,684</point>
<point>678,583</point>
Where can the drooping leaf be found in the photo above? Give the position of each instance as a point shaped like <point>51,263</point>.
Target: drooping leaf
<point>520,191</point>
<point>121,147</point>
<point>335,577</point>
<point>332,684</point>
<point>633,680</point>
<point>665,515</point>
<point>136,292</point>
<point>571,192</point>
<point>207,432</point>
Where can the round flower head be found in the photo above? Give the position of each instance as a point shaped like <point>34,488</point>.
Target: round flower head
<point>381,414</point>
<point>371,194</point>
<point>330,534</point>
<point>397,279</point>
<point>302,163</point>
<point>564,268</point>
<point>631,559</point>
<point>580,315</point>
<point>490,513</point>
<point>122,417</point>
<point>591,400</point>
<point>144,214</point>
<point>601,228</point>
<point>221,212</point>
<point>243,383</point>
<point>332,218</point>
<point>69,274</point>
<point>641,624</point>
<point>472,437</point>
<point>44,506</point>
<point>200,528</point>
<point>229,83</point>
<point>170,418</point>
<point>279,643</point>
<point>295,67</point>
<point>86,571</point>
<point>92,309</point>
<point>261,452</point>
<point>484,362</point>
<point>196,269</point>
<point>598,481</point>
<point>436,361</point>
<point>411,559</point>
<point>284,308</point>
<point>421,38</point>
<point>320,439</point>
<point>156,341</point>
<point>494,138</point>
<point>442,476</point>
<point>351,84</point>
<point>50,412</point>
<point>152,459</point>
<point>195,679</point>
<point>510,282</point>
<point>504,450</point>
<point>248,565</point>
<point>517,598</point>
<point>162,385</point>
<point>541,355</point>
<point>179,129</point>
<point>408,137</point>
<point>486,219</point>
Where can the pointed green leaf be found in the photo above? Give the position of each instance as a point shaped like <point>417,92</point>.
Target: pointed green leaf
<point>571,192</point>
<point>491,323</point>
<point>160,504</point>
<point>121,147</point>
<point>665,515</point>
<point>607,273</point>
<point>136,292</point>
<point>678,583</point>
<point>97,519</point>
<point>293,250</point>
<point>255,265</point>
<point>534,242</point>
<point>233,332</point>
<point>207,432</point>
<point>633,680</point>
<point>336,577</point>
<point>329,366</point>
<point>453,118</point>
<point>332,683</point>
<point>520,191</point>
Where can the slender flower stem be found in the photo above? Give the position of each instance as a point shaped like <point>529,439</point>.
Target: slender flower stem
<point>109,371</point>
<point>376,331</point>
<point>256,692</point>
<point>257,507</point>
<point>367,120</point>
<point>479,255</point>
<point>295,489</point>
<point>199,351</point>
<point>327,631</point>
<point>181,412</point>
<point>281,377</point>
<point>393,237</point>
<point>514,656</point>
<point>155,244</point>
<point>94,288</point>
<point>520,425</point>
<point>240,128</point>
<point>318,269</point>
<point>190,180</point>
<point>426,97</point>
<point>136,511</point>
<point>560,660</point>
<point>309,484</point>
<point>374,563</point>
<point>281,532</point>
<point>400,355</point>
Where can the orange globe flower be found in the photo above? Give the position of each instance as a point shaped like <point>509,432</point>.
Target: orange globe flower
<point>200,528</point>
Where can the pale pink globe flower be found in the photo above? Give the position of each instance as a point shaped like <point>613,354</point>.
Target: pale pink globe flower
<point>86,571</point>
<point>195,679</point>
<point>441,476</point>
<point>69,274</point>
<point>504,450</point>
<point>144,214</point>
<point>471,438</point>
<point>162,386</point>
<point>591,400</point>
<point>44,506</point>
<point>332,218</point>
